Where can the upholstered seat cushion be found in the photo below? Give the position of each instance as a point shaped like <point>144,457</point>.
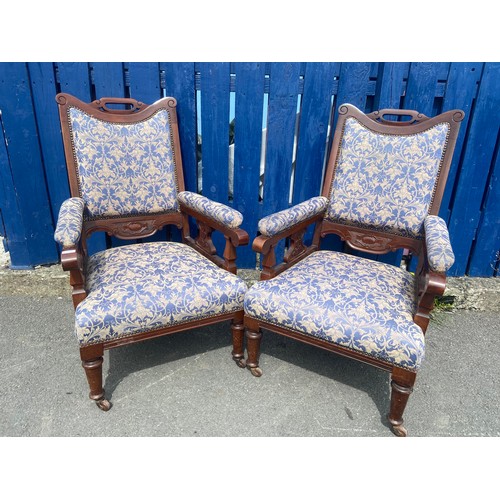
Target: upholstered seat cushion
<point>142,287</point>
<point>357,303</point>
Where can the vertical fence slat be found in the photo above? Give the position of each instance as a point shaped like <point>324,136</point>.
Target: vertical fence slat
<point>390,84</point>
<point>215,79</point>
<point>477,160</point>
<point>313,130</point>
<point>247,150</point>
<point>10,210</point>
<point>109,79</point>
<point>180,83</point>
<point>74,78</point>
<point>26,165</point>
<point>422,86</point>
<point>460,93</point>
<point>353,85</point>
<point>282,113</point>
<point>44,90</point>
<point>144,81</point>
<point>486,253</point>
<point>215,130</point>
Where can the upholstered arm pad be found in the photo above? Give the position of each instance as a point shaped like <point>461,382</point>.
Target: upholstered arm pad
<point>437,239</point>
<point>217,211</point>
<point>275,223</point>
<point>69,222</point>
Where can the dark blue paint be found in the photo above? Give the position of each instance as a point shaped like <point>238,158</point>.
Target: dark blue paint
<point>29,206</point>
<point>247,150</point>
<point>477,160</point>
<point>34,218</point>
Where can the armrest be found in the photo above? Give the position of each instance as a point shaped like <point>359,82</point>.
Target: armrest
<point>68,233</point>
<point>218,212</point>
<point>439,253</point>
<point>290,217</point>
<point>70,222</point>
<point>292,222</point>
<point>211,215</point>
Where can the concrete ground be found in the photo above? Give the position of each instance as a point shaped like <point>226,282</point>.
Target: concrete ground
<point>186,384</point>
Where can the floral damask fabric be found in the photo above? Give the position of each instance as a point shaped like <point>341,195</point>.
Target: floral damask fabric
<point>69,222</point>
<point>437,239</point>
<point>217,211</point>
<point>356,303</point>
<point>124,169</point>
<point>385,182</point>
<point>275,223</point>
<point>143,287</point>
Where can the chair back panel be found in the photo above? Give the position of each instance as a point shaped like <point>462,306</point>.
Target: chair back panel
<point>385,177</point>
<point>122,163</point>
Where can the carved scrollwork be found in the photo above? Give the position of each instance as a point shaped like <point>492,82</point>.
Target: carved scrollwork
<point>204,238</point>
<point>171,102</point>
<point>296,247</point>
<point>343,109</point>
<point>132,228</point>
<point>136,229</point>
<point>61,99</point>
<point>369,242</point>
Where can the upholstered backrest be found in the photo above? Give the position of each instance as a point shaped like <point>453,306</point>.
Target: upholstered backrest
<point>385,181</point>
<point>124,166</point>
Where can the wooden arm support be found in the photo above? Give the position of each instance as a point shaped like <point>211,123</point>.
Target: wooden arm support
<point>266,245</point>
<point>430,285</point>
<point>72,260</point>
<point>203,242</point>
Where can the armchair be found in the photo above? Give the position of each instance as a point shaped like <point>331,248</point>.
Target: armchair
<point>126,178</point>
<point>383,185</point>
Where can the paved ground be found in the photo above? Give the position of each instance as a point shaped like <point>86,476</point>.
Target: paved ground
<point>187,385</point>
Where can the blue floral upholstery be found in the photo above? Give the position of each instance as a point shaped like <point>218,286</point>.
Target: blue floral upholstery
<point>216,211</point>
<point>124,169</point>
<point>356,303</point>
<point>69,222</point>
<point>143,287</point>
<point>437,239</point>
<point>277,222</point>
<point>386,182</point>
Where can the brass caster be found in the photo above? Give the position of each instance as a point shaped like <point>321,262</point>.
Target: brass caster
<point>399,430</point>
<point>241,362</point>
<point>256,372</point>
<point>103,404</point>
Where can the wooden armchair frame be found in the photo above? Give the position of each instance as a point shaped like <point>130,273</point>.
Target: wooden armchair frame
<point>140,226</point>
<point>429,283</point>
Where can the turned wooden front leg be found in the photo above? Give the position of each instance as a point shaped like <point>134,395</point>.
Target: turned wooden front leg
<point>92,360</point>
<point>238,332</point>
<point>253,335</point>
<point>93,370</point>
<point>402,382</point>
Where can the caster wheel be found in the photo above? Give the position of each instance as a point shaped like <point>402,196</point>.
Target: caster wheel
<point>256,372</point>
<point>399,430</point>
<point>103,404</point>
<point>241,363</point>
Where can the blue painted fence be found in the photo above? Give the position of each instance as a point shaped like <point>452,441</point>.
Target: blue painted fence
<point>254,136</point>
